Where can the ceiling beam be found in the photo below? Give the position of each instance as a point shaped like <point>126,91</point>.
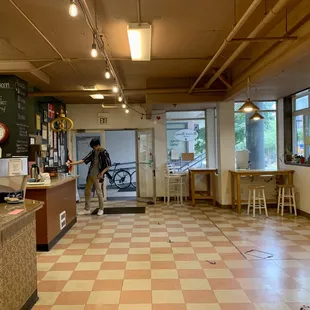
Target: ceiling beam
<point>223,80</point>
<point>127,92</point>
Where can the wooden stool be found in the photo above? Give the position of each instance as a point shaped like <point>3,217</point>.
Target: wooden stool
<point>257,199</point>
<point>290,195</point>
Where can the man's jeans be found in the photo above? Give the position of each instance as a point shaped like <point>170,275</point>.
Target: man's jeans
<point>93,180</point>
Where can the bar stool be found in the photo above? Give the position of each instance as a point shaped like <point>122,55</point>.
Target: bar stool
<point>290,195</point>
<point>174,185</point>
<point>257,199</point>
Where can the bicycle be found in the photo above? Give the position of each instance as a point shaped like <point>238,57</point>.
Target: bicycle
<point>121,178</point>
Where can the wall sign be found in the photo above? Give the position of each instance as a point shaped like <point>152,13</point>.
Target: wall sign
<point>186,135</point>
<point>102,119</point>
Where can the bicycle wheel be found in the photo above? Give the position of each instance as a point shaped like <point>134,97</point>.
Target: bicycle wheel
<point>133,180</point>
<point>122,179</point>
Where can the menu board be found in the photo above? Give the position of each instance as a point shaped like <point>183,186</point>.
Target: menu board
<point>13,113</point>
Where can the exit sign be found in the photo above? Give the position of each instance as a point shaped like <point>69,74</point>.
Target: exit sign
<point>102,119</point>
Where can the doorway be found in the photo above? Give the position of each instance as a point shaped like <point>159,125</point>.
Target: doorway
<point>121,180</point>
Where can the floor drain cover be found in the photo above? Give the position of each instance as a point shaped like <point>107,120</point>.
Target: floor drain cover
<point>259,254</point>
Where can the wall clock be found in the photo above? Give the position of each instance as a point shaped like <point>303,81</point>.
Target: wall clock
<point>4,133</point>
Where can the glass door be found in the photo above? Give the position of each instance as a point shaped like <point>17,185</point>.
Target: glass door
<point>146,185</point>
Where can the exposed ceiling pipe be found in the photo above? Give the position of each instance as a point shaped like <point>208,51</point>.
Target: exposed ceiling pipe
<point>266,20</point>
<point>128,92</point>
<point>46,39</point>
<point>264,39</point>
<point>236,28</point>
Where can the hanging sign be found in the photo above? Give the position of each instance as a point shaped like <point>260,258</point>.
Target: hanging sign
<point>186,135</point>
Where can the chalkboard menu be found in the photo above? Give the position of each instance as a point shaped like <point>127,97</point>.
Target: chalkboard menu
<point>13,113</point>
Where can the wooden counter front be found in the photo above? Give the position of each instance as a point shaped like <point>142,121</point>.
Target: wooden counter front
<point>58,197</point>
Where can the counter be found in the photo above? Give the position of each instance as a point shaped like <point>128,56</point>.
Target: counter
<point>58,214</point>
<point>18,261</point>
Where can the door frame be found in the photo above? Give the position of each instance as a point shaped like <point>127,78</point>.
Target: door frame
<point>72,149</point>
<point>153,159</point>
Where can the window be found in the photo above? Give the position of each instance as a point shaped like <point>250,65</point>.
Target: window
<point>301,124</point>
<point>256,141</point>
<point>186,139</point>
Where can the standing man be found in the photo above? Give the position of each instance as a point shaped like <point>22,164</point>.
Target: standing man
<point>100,163</point>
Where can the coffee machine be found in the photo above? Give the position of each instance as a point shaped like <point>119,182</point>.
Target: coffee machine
<point>13,178</point>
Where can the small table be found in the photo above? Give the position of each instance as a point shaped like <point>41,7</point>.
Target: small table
<point>236,181</point>
<point>210,193</point>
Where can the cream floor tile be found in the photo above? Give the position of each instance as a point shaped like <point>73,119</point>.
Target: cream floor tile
<point>79,286</point>
<point>238,264</point>
<point>139,251</point>
<point>88,266</point>
<point>65,241</point>
<point>295,295</point>
<point>137,285</point>
<point>44,266</point>
<point>167,297</point>
<point>272,306</point>
<point>138,265</point>
<point>95,252</point>
<point>203,307</point>
<point>54,252</point>
<point>135,307</point>
<point>253,284</point>
<point>116,258</point>
<point>101,240</point>
<point>111,275</point>
<point>69,259</point>
<point>195,284</point>
<point>162,257</point>
<point>187,265</point>
<point>218,274</point>
<point>208,256</point>
<point>104,297</point>
<point>78,246</point>
<point>68,307</point>
<point>57,275</point>
<point>85,236</point>
<point>227,249</point>
<point>47,298</point>
<point>201,244</point>
<point>164,274</point>
<point>231,296</point>
<point>183,251</point>
<point>119,245</point>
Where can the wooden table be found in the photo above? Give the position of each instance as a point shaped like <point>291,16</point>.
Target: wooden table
<point>236,181</point>
<point>210,193</point>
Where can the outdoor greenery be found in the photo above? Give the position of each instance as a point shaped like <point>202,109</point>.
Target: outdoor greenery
<point>200,142</point>
<point>270,133</point>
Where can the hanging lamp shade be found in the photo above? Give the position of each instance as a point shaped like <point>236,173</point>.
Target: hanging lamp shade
<point>248,106</point>
<point>256,117</point>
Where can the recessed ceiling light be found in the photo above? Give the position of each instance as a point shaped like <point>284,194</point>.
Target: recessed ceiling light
<point>97,96</point>
<point>89,87</point>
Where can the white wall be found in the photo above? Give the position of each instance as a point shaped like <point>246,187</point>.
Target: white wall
<point>85,117</point>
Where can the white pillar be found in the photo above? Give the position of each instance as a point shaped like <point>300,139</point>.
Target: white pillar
<point>226,149</point>
<point>211,138</point>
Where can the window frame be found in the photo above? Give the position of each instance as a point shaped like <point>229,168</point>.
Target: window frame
<point>302,112</point>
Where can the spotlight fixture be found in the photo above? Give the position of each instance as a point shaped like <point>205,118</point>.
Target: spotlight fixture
<point>124,106</point>
<point>107,73</point>
<point>120,98</point>
<point>126,111</point>
<point>248,106</point>
<point>97,96</point>
<point>103,105</point>
<point>115,89</point>
<point>94,52</point>
<point>256,117</point>
<point>73,9</point>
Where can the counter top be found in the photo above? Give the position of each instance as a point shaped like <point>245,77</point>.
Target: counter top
<point>261,171</point>
<point>54,182</point>
<point>28,206</point>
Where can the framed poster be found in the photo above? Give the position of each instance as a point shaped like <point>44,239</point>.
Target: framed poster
<point>55,139</point>
<point>50,135</point>
<point>44,132</point>
<point>38,122</point>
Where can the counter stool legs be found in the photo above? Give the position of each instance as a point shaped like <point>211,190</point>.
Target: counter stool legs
<point>290,195</point>
<point>257,200</point>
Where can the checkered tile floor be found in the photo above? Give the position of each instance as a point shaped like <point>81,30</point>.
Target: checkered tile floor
<point>178,258</point>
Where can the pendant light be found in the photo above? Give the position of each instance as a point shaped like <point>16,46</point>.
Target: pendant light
<point>124,106</point>
<point>94,52</point>
<point>73,9</point>
<point>107,73</point>
<point>115,89</point>
<point>120,98</point>
<point>248,106</point>
<point>256,117</point>
<point>126,111</point>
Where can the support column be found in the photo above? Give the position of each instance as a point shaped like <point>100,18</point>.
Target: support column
<point>255,142</point>
<point>226,149</point>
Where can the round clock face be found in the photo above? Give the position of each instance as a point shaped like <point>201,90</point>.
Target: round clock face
<point>4,132</point>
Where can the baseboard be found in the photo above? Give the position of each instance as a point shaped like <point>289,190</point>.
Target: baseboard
<point>50,245</point>
<point>303,213</point>
<point>31,301</point>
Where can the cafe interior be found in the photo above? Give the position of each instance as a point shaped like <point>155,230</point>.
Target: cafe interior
<point>204,109</point>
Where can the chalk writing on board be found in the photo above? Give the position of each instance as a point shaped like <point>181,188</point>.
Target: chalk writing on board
<point>3,104</point>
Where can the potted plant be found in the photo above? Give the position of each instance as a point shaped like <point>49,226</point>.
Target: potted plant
<point>302,159</point>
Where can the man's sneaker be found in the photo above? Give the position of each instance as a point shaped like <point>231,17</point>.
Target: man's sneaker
<point>100,212</point>
<point>85,212</point>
